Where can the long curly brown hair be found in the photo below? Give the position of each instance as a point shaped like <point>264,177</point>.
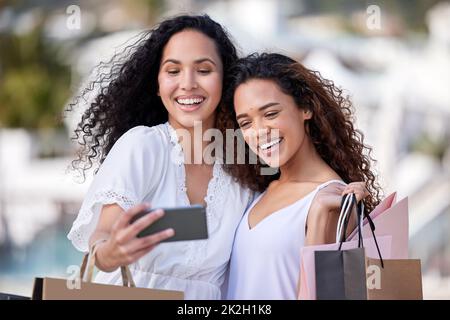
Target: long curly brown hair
<point>330,129</point>
<point>127,88</point>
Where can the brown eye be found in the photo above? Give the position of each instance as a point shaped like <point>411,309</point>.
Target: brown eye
<point>244,124</point>
<point>271,115</point>
<point>173,72</point>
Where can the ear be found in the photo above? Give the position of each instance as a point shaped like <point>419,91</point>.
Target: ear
<point>307,114</point>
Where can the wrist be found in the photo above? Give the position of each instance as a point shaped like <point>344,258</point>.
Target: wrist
<point>102,260</point>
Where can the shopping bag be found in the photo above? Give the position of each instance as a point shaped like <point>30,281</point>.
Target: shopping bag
<point>386,278</point>
<point>9,296</point>
<point>394,222</point>
<point>84,289</point>
<point>307,278</point>
<point>307,282</point>
<point>341,274</point>
<point>397,279</point>
<point>384,205</point>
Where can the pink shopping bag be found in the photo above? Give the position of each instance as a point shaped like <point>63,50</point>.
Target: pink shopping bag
<point>384,205</point>
<point>392,222</point>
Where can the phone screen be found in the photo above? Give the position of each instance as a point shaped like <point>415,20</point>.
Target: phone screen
<point>189,223</point>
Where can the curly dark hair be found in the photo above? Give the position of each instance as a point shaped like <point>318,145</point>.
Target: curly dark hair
<point>330,129</point>
<point>127,91</point>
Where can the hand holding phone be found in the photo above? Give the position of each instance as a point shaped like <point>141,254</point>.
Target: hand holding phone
<point>122,247</point>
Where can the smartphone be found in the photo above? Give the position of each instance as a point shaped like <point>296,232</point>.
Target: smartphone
<point>189,223</point>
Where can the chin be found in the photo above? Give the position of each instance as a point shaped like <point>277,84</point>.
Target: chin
<point>190,120</point>
<point>273,163</point>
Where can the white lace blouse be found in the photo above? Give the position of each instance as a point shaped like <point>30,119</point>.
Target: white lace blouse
<point>147,165</point>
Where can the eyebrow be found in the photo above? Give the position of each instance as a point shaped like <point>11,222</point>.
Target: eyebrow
<point>267,105</point>
<point>198,61</point>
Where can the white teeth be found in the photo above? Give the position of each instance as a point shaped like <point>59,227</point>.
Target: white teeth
<point>190,101</point>
<point>270,144</point>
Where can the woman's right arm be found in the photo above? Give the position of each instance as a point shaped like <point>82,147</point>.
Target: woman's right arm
<point>323,215</point>
<point>121,246</point>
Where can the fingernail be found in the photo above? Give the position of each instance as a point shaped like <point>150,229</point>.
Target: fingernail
<point>170,232</point>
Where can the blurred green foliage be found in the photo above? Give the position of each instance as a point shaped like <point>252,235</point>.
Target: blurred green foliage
<point>412,13</point>
<point>156,7</point>
<point>34,84</point>
<point>430,145</point>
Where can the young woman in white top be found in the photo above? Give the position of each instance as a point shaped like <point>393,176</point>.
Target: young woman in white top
<point>172,80</point>
<point>293,120</point>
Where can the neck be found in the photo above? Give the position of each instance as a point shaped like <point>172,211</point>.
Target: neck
<point>306,165</point>
<point>192,142</point>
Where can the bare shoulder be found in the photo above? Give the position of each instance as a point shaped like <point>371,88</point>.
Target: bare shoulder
<point>333,187</point>
<point>336,184</point>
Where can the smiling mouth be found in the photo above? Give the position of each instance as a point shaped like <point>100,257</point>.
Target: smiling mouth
<point>269,145</point>
<point>190,103</point>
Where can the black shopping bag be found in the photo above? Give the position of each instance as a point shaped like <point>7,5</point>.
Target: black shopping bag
<point>341,274</point>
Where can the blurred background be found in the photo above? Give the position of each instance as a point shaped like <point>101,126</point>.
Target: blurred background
<point>391,57</point>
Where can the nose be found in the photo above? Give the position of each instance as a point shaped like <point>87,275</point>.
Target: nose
<point>259,130</point>
<point>188,81</point>
<point>261,127</point>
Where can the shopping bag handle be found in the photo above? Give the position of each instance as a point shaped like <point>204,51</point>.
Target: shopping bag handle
<point>345,206</point>
<point>372,229</point>
<point>88,264</point>
<point>347,203</point>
